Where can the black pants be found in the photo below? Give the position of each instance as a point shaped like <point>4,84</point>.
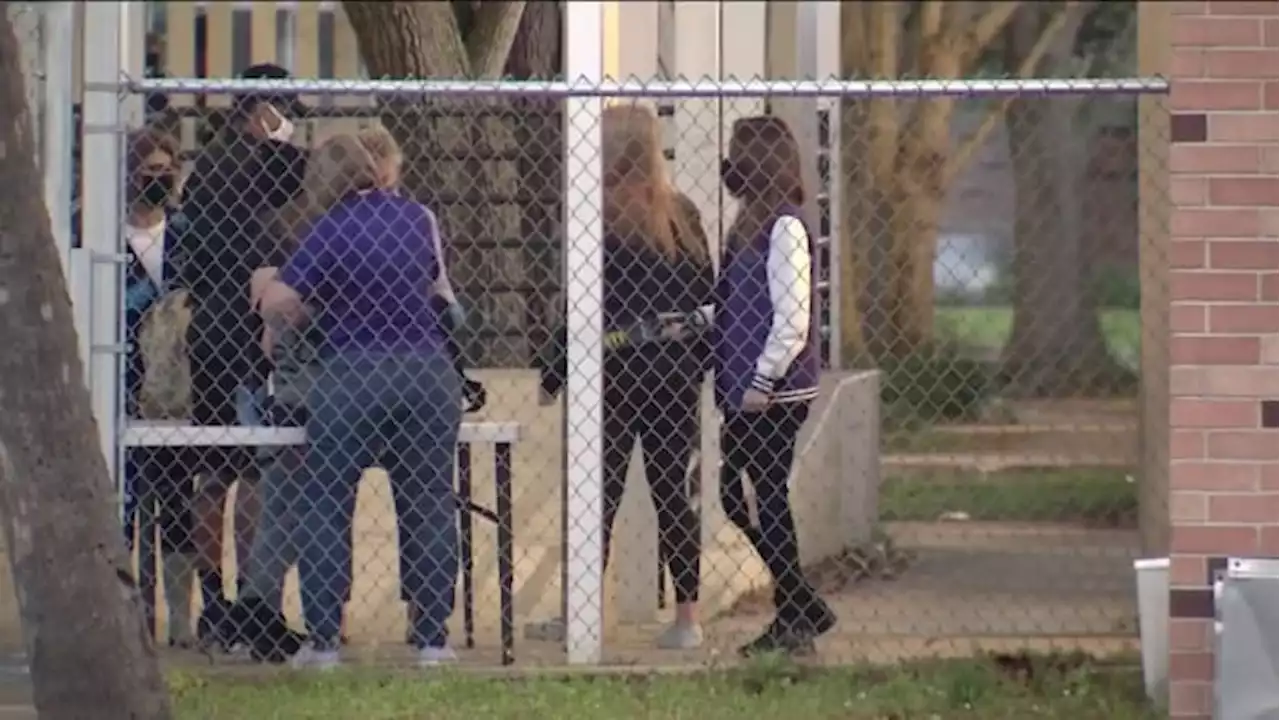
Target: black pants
<point>763,445</point>
<point>163,479</point>
<point>663,413</point>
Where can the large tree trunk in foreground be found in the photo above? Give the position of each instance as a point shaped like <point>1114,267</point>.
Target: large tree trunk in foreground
<point>89,653</point>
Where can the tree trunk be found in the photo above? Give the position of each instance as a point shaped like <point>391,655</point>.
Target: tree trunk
<point>1056,346</point>
<point>462,156</point>
<point>87,645</point>
<point>536,55</point>
<point>858,233</point>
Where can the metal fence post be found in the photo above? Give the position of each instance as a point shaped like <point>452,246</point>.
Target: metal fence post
<point>100,213</point>
<point>584,61</point>
<point>57,145</point>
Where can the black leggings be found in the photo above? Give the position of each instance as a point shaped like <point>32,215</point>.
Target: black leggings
<point>763,445</point>
<point>663,413</point>
<point>164,478</point>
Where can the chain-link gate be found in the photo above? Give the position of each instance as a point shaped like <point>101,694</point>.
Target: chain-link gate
<point>954,485</point>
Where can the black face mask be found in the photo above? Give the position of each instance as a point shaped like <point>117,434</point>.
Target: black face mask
<point>733,180</point>
<point>156,189</point>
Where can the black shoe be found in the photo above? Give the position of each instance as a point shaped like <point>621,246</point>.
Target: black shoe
<point>265,630</point>
<point>818,617</point>
<point>474,396</point>
<point>212,627</point>
<point>796,636</point>
<point>780,638</point>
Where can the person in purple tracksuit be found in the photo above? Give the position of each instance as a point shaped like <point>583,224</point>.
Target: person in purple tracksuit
<point>766,365</point>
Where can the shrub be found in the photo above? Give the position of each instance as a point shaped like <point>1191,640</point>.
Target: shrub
<point>934,384</point>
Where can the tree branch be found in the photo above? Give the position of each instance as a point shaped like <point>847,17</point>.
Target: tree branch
<point>883,39</point>
<point>443,39</point>
<point>971,39</point>
<point>1027,68</point>
<point>853,39</point>
<point>408,39</point>
<point>492,35</point>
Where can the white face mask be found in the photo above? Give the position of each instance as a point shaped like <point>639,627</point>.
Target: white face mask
<point>282,132</point>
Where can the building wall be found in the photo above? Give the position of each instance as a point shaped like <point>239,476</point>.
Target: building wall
<point>1222,335</point>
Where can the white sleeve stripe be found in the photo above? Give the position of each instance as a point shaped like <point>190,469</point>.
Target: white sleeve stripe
<point>790,272</point>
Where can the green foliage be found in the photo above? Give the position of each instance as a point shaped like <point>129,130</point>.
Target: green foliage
<point>1117,288</point>
<point>934,384</point>
<point>1100,497</point>
<point>992,687</point>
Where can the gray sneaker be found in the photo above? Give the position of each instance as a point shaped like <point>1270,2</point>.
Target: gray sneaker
<point>680,636</point>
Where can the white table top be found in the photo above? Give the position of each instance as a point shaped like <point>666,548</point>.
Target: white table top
<point>149,433</point>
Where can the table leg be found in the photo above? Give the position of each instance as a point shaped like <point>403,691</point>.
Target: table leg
<point>506,549</point>
<point>466,546</point>
<point>147,558</point>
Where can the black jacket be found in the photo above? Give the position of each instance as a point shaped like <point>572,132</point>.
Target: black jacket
<point>640,284</point>
<point>230,199</point>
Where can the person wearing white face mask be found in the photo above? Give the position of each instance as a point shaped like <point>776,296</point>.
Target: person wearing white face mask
<point>241,178</point>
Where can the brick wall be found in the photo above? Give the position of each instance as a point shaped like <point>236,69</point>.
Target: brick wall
<point>1223,325</point>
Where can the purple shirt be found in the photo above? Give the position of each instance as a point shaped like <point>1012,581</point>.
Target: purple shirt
<point>368,265</point>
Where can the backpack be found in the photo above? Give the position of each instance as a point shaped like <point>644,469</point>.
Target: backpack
<point>294,357</point>
<point>166,358</point>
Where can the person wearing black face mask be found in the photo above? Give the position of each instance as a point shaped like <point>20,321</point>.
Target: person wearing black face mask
<point>155,476</point>
<point>239,182</point>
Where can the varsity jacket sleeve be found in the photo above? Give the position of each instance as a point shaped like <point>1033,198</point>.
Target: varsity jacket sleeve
<point>790,272</point>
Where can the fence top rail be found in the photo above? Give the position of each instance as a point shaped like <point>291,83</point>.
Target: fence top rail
<point>635,88</point>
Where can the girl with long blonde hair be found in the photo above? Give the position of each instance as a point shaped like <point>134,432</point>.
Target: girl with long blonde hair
<point>656,263</point>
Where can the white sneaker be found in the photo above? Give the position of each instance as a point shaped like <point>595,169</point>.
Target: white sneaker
<point>680,636</point>
<point>309,658</point>
<point>436,656</point>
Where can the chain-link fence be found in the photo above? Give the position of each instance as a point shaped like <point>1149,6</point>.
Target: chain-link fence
<point>970,478</point>
<point>877,390</point>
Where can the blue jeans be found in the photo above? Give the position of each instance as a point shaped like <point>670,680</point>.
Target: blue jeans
<point>275,540</point>
<point>409,405</point>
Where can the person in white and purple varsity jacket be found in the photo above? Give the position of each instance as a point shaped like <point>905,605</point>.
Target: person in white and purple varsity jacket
<point>766,365</point>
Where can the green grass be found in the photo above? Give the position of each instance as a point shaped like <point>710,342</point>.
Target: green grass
<point>1096,496</point>
<point>1018,688</point>
<point>989,327</point>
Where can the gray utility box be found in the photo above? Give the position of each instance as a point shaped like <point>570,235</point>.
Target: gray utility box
<point>1245,635</point>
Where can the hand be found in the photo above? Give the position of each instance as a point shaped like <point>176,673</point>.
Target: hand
<point>268,342</point>
<point>754,401</point>
<point>672,331</point>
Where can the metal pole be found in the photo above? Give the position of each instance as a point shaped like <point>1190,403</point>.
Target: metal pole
<point>57,146</point>
<point>581,86</point>
<point>100,214</point>
<point>584,230</point>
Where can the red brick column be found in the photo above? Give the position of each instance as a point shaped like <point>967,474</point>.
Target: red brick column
<point>1223,326</point>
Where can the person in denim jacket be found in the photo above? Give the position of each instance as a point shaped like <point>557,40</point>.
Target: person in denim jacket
<point>159,475</point>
